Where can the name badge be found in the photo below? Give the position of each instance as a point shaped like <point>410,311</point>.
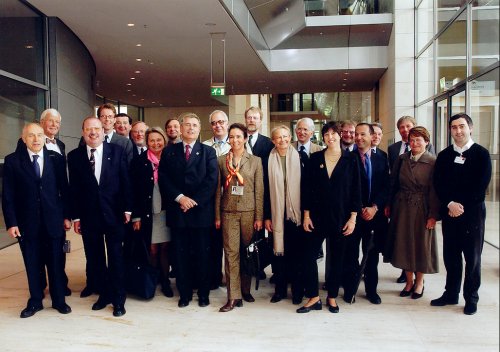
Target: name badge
<point>459,160</point>
<point>237,190</point>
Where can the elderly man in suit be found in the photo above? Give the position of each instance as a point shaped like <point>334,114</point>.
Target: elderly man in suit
<point>219,141</point>
<point>188,179</point>
<point>36,211</point>
<point>404,125</point>
<point>461,177</point>
<point>371,222</point>
<point>107,115</point>
<point>304,131</point>
<point>138,135</point>
<point>101,204</point>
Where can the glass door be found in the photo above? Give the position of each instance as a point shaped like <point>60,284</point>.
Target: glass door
<point>441,124</point>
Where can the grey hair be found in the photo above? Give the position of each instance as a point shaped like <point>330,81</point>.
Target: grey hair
<point>215,112</point>
<point>309,122</point>
<point>48,112</point>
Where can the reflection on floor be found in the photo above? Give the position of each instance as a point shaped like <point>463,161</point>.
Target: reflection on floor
<point>400,324</point>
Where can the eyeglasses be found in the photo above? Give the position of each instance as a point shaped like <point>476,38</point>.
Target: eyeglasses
<point>347,132</point>
<point>107,117</point>
<point>219,122</point>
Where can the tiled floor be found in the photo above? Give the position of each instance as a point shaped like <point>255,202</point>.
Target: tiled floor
<point>398,324</point>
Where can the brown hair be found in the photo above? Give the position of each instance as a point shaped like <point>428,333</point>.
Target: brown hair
<point>106,106</point>
<point>420,131</point>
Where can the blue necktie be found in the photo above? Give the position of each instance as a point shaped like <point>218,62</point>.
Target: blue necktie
<point>36,167</point>
<point>368,169</point>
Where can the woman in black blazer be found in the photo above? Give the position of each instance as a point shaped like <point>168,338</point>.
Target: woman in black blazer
<point>332,199</point>
<point>148,215</point>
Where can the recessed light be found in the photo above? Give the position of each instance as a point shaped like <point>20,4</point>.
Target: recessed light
<point>130,24</point>
<point>138,59</point>
<point>345,79</point>
<point>153,102</point>
<point>343,85</point>
<point>142,99</point>
<point>138,44</point>
<point>129,90</point>
<point>151,63</point>
<point>134,95</point>
<point>28,46</point>
<point>137,71</point>
<point>320,33</point>
<point>346,73</point>
<point>129,84</point>
<point>132,77</point>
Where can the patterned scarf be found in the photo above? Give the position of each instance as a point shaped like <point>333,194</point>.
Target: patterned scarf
<point>232,171</point>
<point>154,160</point>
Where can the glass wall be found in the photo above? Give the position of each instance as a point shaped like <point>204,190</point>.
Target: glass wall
<point>463,51</point>
<point>347,7</point>
<point>23,87</point>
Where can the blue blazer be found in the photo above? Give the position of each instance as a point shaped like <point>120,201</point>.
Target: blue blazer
<point>195,178</point>
<point>104,203</point>
<point>27,200</point>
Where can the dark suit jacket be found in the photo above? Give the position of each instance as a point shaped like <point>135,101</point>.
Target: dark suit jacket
<point>262,148</point>
<point>195,178</point>
<point>26,200</point>
<point>141,172</point>
<point>393,152</point>
<point>380,181</point>
<point>330,200</point>
<point>104,203</point>
<point>123,142</point>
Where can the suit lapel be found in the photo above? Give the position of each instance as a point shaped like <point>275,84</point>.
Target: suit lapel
<point>195,154</point>
<point>27,163</point>
<point>106,162</point>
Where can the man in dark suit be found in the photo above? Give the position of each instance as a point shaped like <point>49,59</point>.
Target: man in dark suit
<point>123,124</point>
<point>258,145</point>
<point>188,179</point>
<point>101,204</point>
<point>347,135</point>
<point>371,221</point>
<point>461,177</point>
<point>404,125</point>
<point>107,114</point>
<point>36,211</point>
<point>138,136</point>
<point>377,135</point>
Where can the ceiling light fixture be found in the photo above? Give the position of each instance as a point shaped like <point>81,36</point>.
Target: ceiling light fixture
<point>28,46</point>
<point>129,84</point>
<point>137,71</point>
<point>132,77</point>
<point>138,44</point>
<point>130,24</point>
<point>138,59</point>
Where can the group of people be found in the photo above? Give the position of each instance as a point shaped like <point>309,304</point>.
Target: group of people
<point>191,204</point>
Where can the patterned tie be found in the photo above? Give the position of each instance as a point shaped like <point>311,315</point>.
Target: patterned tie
<point>92,160</point>
<point>303,155</point>
<point>188,152</point>
<point>368,169</point>
<point>36,166</point>
<point>250,142</point>
<point>48,140</point>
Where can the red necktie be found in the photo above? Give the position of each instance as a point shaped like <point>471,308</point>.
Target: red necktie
<point>188,152</point>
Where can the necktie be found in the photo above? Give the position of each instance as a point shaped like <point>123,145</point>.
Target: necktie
<point>407,147</point>
<point>92,160</point>
<point>106,138</point>
<point>368,169</point>
<point>36,167</point>
<point>48,140</point>
<point>303,154</point>
<point>140,150</point>
<point>188,152</point>
<point>250,141</point>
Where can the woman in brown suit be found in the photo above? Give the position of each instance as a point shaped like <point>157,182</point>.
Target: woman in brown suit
<point>238,210</point>
<point>412,236</point>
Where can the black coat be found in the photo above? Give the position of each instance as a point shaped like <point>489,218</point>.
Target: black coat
<point>331,200</point>
<point>195,178</point>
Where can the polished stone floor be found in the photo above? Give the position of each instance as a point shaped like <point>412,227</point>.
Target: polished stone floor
<point>398,324</point>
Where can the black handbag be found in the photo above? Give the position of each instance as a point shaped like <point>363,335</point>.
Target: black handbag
<point>141,278</point>
<point>256,256</point>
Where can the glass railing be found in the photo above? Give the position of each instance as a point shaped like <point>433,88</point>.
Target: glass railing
<point>347,7</point>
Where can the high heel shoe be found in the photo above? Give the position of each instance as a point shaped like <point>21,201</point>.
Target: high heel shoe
<point>416,295</point>
<point>332,309</point>
<point>316,306</point>
<point>405,293</point>
<point>230,305</point>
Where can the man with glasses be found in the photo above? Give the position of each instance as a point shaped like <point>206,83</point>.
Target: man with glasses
<point>219,141</point>
<point>107,115</point>
<point>138,135</point>
<point>347,135</point>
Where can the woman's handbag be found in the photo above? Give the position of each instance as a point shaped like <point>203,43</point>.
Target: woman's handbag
<point>141,278</point>
<point>256,256</point>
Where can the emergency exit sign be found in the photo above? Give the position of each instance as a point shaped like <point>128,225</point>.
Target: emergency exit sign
<point>217,90</point>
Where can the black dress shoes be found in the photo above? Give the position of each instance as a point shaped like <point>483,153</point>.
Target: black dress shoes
<point>316,306</point>
<point>183,302</point>
<point>167,290</point>
<point>276,298</point>
<point>67,292</point>
<point>29,311</point>
<point>402,278</point>
<point>332,309</point>
<point>100,304</point>
<point>349,299</point>
<point>374,298</point>
<point>247,297</point>
<point>203,301</point>
<point>229,306</point>
<point>119,310</point>
<point>470,308</point>
<point>297,300</point>
<point>87,291</point>
<point>444,300</point>
<point>405,293</point>
<point>63,308</point>
<point>416,295</point>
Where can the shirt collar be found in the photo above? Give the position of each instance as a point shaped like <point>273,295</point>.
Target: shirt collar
<point>98,149</point>
<point>307,146</point>
<point>190,144</point>
<point>464,148</point>
<point>40,154</point>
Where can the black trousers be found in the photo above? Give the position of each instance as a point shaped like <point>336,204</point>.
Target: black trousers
<point>464,234</point>
<point>106,276</point>
<point>192,255</point>
<point>288,268</point>
<point>44,250</point>
<point>335,249</point>
<point>216,252</point>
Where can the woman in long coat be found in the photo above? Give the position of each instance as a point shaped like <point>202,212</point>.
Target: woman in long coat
<point>415,208</point>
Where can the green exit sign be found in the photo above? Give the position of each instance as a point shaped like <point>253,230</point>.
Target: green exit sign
<point>217,91</point>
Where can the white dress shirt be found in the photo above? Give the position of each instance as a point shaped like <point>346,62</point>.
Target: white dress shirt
<point>98,161</point>
<point>39,161</point>
<point>53,146</point>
